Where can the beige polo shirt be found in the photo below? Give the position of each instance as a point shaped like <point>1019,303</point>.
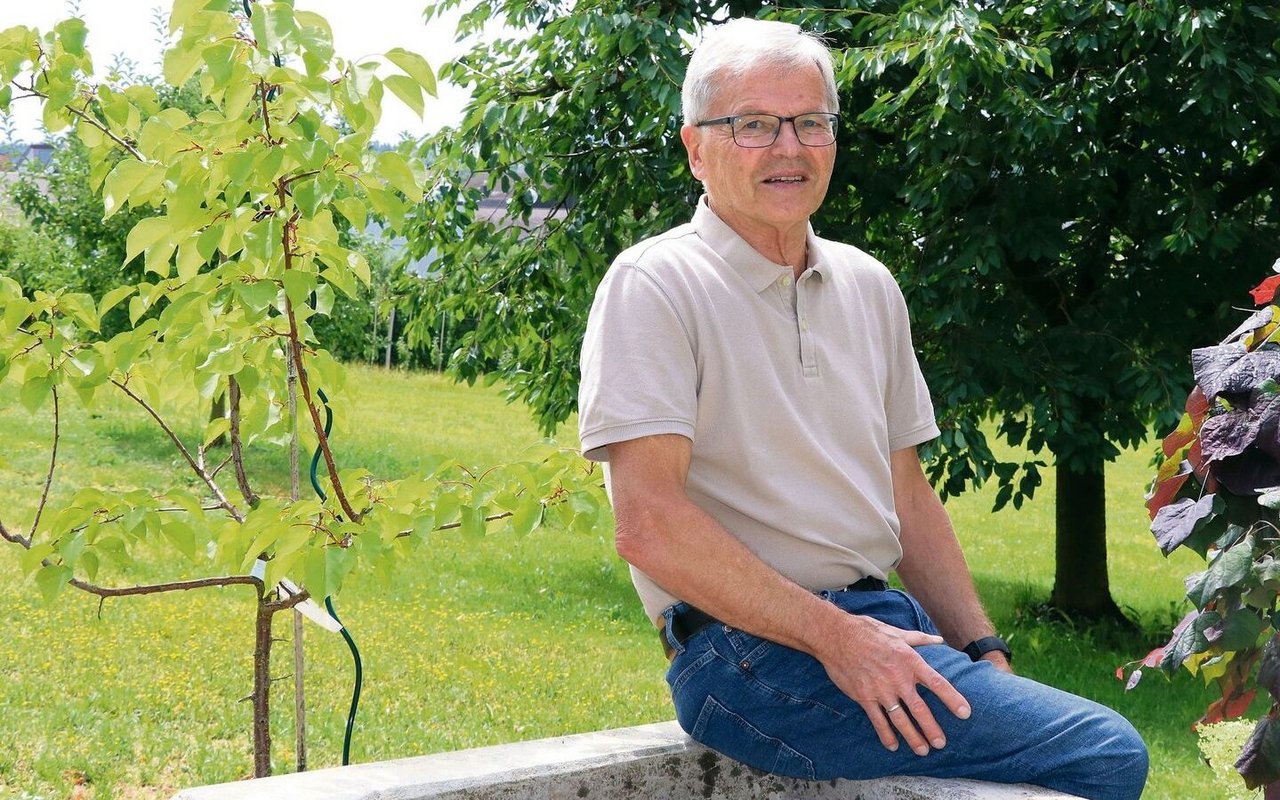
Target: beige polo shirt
<point>793,393</point>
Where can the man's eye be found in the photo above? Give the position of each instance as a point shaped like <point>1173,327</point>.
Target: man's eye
<point>750,125</point>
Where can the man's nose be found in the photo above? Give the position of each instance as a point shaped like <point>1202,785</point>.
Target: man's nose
<point>788,137</point>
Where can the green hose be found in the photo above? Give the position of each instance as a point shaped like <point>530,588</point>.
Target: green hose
<point>328,601</point>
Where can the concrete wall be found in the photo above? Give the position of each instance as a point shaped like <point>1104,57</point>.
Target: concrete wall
<point>649,762</point>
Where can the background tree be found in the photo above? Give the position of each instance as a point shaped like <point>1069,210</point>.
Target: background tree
<point>1045,180</point>
<point>240,253</point>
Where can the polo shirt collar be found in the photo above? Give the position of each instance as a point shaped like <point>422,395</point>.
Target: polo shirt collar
<point>759,272</point>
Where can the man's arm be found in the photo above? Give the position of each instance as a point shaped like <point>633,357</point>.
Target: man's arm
<point>933,567</point>
<point>670,539</point>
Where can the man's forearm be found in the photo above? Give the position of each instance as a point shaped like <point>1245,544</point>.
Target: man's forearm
<point>933,567</point>
<point>688,553</point>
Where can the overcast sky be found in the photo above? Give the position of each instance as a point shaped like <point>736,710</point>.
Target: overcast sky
<point>360,28</point>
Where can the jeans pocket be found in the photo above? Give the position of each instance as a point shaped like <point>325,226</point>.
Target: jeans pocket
<point>732,735</point>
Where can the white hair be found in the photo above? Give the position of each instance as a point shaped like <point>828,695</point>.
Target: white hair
<point>733,48</point>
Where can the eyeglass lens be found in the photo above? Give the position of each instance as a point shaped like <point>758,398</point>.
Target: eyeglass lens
<point>761,130</point>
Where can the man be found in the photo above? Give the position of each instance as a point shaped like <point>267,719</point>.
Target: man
<point>753,390</point>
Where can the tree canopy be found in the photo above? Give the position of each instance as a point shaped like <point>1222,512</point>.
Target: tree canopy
<point>1067,193</point>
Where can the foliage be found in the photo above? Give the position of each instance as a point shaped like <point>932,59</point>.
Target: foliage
<point>496,640</point>
<point>1043,178</point>
<point>35,260</point>
<point>1217,492</point>
<point>240,253</point>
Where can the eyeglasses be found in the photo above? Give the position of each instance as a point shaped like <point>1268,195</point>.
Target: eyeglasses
<point>816,129</point>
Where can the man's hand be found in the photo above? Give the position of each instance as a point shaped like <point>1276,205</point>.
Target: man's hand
<point>882,674</point>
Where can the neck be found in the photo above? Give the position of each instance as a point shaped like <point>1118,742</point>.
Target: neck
<point>788,246</point>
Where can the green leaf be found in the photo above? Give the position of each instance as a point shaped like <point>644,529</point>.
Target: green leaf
<point>51,580</point>
<point>182,536</point>
<point>35,391</point>
<point>409,92</point>
<point>527,517</point>
<point>72,33</point>
<point>112,298</point>
<point>473,524</point>
<point>146,235</point>
<point>31,560</point>
<point>216,428</point>
<point>395,170</point>
<point>415,66</point>
<point>185,10</point>
<point>181,62</point>
<point>1230,568</point>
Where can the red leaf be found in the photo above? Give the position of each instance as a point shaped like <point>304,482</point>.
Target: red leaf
<point>1197,405</point>
<point>1120,672</point>
<point>1164,493</point>
<point>1265,291</point>
<point>1195,456</point>
<point>1229,707</point>
<point>1175,442</point>
<point>1154,658</point>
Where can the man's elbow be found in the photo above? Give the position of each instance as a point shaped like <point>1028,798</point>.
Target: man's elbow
<point>638,537</point>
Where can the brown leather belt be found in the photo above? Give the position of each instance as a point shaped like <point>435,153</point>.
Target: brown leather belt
<point>688,622</point>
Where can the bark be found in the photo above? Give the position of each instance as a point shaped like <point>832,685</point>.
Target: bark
<point>262,690</point>
<point>1081,586</point>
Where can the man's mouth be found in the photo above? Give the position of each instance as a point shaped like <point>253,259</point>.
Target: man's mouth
<point>786,179</point>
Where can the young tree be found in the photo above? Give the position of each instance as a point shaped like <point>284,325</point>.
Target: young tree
<point>240,258</point>
<point>1046,180</point>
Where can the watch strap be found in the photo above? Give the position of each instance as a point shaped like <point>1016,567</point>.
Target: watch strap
<point>980,647</point>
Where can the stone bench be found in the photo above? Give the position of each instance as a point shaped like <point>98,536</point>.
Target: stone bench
<point>648,762</point>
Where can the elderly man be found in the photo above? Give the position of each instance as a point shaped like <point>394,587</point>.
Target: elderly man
<point>753,391</point>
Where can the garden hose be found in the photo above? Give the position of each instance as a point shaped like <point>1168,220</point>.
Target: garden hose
<point>328,601</point>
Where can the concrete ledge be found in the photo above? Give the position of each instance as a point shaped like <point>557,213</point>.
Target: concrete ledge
<point>649,762</point>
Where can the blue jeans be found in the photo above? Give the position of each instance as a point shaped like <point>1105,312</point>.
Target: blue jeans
<point>775,709</point>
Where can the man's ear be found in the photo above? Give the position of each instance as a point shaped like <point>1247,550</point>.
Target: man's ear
<point>691,135</point>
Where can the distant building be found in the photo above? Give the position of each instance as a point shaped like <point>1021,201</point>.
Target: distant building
<point>14,156</point>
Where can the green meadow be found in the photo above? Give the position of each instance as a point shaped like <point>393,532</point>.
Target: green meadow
<point>475,641</point>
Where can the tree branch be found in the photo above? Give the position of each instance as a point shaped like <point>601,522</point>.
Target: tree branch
<point>53,463</point>
<point>174,586</point>
<point>295,353</point>
<point>237,448</point>
<point>186,454</point>
<point>110,134</point>
<point>16,538</point>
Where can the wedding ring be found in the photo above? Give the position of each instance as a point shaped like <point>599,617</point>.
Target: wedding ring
<point>893,708</point>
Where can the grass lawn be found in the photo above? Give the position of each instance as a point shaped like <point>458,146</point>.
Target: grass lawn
<point>476,642</point>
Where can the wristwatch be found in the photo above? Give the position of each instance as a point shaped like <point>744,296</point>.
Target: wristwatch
<point>977,649</point>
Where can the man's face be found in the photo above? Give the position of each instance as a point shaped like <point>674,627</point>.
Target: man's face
<point>768,190</point>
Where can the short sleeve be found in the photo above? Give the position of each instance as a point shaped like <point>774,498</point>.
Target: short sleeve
<point>908,407</point>
<point>639,371</point>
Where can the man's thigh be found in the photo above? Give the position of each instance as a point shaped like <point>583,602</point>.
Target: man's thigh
<point>775,709</point>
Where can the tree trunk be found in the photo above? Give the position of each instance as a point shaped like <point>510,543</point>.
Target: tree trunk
<point>262,691</point>
<point>1081,588</point>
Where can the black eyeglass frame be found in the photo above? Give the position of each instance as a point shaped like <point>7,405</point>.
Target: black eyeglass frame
<point>730,120</point>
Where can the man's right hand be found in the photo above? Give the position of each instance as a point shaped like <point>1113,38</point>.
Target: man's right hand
<point>877,666</point>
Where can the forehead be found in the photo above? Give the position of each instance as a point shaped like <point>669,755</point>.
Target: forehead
<point>771,89</point>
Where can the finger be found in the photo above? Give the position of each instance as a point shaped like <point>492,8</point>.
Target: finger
<point>901,719</point>
<point>919,638</point>
<point>924,719</point>
<point>942,688</point>
<point>883,728</point>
